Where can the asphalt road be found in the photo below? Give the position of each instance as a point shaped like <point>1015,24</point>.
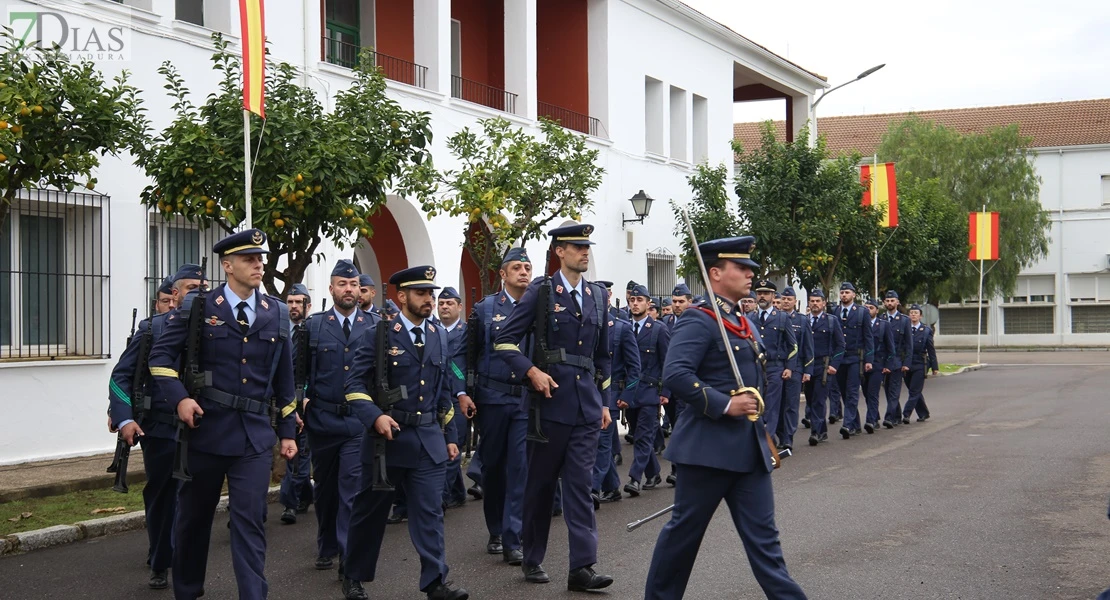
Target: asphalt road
<point>1002,494</point>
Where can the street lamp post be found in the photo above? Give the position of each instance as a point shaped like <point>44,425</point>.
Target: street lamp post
<point>813,107</point>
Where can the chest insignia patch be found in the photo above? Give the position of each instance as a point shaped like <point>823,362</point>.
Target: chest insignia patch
<point>395,351</point>
<point>499,318</point>
<point>397,326</point>
<point>559,308</point>
<point>214,321</point>
<point>264,305</point>
<point>559,289</point>
<point>219,300</point>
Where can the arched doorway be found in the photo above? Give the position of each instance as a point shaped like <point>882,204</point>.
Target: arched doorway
<point>470,277</point>
<point>399,240</point>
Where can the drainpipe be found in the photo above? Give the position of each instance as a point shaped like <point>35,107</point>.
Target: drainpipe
<point>1060,234</point>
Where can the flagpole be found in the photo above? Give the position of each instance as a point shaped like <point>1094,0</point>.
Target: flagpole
<point>979,331</point>
<point>875,167</point>
<point>247,165</point>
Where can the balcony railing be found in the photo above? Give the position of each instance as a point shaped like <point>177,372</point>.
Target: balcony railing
<point>347,55</point>
<point>480,93</point>
<point>570,119</point>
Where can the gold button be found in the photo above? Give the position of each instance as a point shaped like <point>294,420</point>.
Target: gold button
<point>244,381</point>
<point>417,412</point>
<point>271,340</point>
<point>346,368</point>
<point>579,342</point>
<point>244,361</point>
<point>421,382</point>
<point>736,347</point>
<point>578,377</point>
<point>395,363</point>
<point>244,340</point>
<point>346,349</point>
<point>421,399</point>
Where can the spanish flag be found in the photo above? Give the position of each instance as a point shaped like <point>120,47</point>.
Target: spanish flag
<point>881,192</point>
<point>252,19</point>
<point>982,234</point>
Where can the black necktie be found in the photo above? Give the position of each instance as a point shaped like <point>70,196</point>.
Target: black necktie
<point>244,324</point>
<point>637,329</point>
<point>763,317</point>
<point>813,323</point>
<point>845,314</point>
<point>577,306</point>
<point>419,342</point>
<point>347,328</point>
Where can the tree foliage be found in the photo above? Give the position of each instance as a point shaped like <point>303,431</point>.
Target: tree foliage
<point>709,212</point>
<point>317,175</point>
<point>804,209</point>
<point>512,185</point>
<point>57,118</point>
<point>993,169</point>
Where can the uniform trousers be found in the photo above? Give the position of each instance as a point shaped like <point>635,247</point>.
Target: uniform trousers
<point>159,500</point>
<point>646,428</point>
<point>847,383</point>
<point>791,403</point>
<point>915,382</point>
<point>871,384</point>
<point>504,462</point>
<point>606,478</point>
<point>893,385</point>
<point>816,395</point>
<point>773,385</point>
<point>297,487</point>
<point>337,474</point>
<point>454,489</point>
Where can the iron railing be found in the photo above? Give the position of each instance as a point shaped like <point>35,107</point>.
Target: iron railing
<point>175,242</point>
<point>55,260</point>
<point>570,119</point>
<point>347,55</point>
<point>480,93</point>
<point>661,270</point>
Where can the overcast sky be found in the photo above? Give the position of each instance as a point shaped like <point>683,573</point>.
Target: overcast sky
<point>940,54</point>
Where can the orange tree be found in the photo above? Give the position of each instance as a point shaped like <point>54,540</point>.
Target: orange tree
<point>317,175</point>
<point>512,185</point>
<point>57,118</point>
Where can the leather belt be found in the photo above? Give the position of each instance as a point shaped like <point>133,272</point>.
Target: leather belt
<point>582,362</point>
<point>500,386</point>
<point>412,419</point>
<point>338,409</point>
<point>239,403</point>
<point>160,417</point>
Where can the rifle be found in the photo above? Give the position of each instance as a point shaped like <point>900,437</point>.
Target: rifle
<point>541,356</point>
<point>473,329</point>
<point>301,352</point>
<point>123,449</point>
<point>825,372</point>
<point>192,377</point>
<point>385,397</point>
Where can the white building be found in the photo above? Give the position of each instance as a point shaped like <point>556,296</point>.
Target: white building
<point>652,82</point>
<point>1063,299</point>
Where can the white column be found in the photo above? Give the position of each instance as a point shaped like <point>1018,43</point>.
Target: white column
<point>432,41</point>
<point>802,114</point>
<point>598,51</point>
<point>520,55</point>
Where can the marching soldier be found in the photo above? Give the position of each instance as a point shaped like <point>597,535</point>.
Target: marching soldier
<point>449,307</point>
<point>244,359</point>
<point>625,359</point>
<point>828,352</point>
<point>164,303</point>
<point>723,455</point>
<point>880,367</point>
<point>792,387</point>
<point>652,340</point>
<point>367,291</point>
<point>924,358</point>
<point>666,311</point>
<point>334,433</point>
<point>859,348</point>
<point>143,415</point>
<point>780,349</point>
<point>296,486</point>
<point>748,303</point>
<point>412,411</point>
<point>573,342</point>
<point>900,362</point>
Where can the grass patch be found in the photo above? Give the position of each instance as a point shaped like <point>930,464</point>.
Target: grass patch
<point>950,368</point>
<point>67,509</point>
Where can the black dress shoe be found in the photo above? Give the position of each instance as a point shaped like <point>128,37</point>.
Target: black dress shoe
<point>869,427</point>
<point>652,483</point>
<point>352,590</point>
<point>534,573</point>
<point>302,507</point>
<point>672,479</point>
<point>454,504</point>
<point>494,545</point>
<point>158,580</point>
<point>288,516</point>
<point>476,491</point>
<point>446,591</point>
<point>905,420</point>
<point>632,488</point>
<point>323,563</point>
<point>514,557</point>
<point>585,579</point>
<point>833,419</point>
<point>394,519</point>
<point>618,460</point>
<point>611,496</point>
<point>845,432</point>
<point>813,440</point>
<point>788,448</point>
<point>888,424</point>
<point>925,418</point>
<point>596,499</point>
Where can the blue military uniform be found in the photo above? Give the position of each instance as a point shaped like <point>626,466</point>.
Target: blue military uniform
<point>720,457</point>
<point>780,351</point>
<point>570,419</point>
<point>503,419</point>
<point>334,432</point>
<point>624,357</point>
<point>652,341</point>
<point>903,348</point>
<point>924,358</point>
<point>792,387</point>
<point>859,349</point>
<point>417,361</point>
<point>295,493</point>
<point>883,359</point>
<point>454,488</point>
<point>828,351</point>
<point>246,357</point>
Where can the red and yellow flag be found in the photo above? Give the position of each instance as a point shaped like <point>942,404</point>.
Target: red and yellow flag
<point>881,192</point>
<point>252,20</point>
<point>982,234</point>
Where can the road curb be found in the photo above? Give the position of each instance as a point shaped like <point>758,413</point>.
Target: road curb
<point>966,369</point>
<point>57,535</point>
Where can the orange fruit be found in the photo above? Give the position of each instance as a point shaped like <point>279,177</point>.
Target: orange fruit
<point>188,171</point>
<point>279,223</point>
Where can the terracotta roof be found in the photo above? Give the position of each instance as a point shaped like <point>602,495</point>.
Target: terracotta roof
<point>1050,124</point>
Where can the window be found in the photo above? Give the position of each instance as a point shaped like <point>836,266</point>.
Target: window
<point>1090,319</point>
<point>661,272</point>
<point>678,123</point>
<point>701,129</point>
<point>653,116</point>
<point>1029,319</point>
<point>342,32</point>
<point>961,320</point>
<point>1089,288</point>
<point>190,11</point>
<point>456,48</point>
<point>1106,190</point>
<point>1034,289</point>
<point>176,242</point>
<point>54,277</point>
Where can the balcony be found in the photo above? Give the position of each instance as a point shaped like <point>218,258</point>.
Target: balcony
<point>570,119</point>
<point>346,55</point>
<point>480,93</point>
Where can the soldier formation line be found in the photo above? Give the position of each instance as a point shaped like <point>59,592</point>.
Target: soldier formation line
<point>375,409</point>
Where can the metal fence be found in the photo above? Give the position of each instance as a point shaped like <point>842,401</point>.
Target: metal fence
<point>480,93</point>
<point>347,55</point>
<point>661,273</point>
<point>54,276</point>
<point>570,119</point>
<point>172,243</point>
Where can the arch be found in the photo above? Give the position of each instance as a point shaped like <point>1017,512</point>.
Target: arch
<point>399,240</point>
<point>470,275</point>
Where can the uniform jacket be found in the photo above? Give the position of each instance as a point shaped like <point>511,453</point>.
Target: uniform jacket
<point>884,346</point>
<point>625,356</point>
<point>780,345</point>
<point>652,343</point>
<point>425,381</point>
<point>578,397</point>
<point>827,341</point>
<point>240,364</point>
<point>697,372</point>
<point>456,350</point>
<point>121,396</point>
<point>331,357</point>
<point>924,355</point>
<point>855,329</point>
<point>491,365</point>
<point>903,340</point>
<point>799,322</point>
